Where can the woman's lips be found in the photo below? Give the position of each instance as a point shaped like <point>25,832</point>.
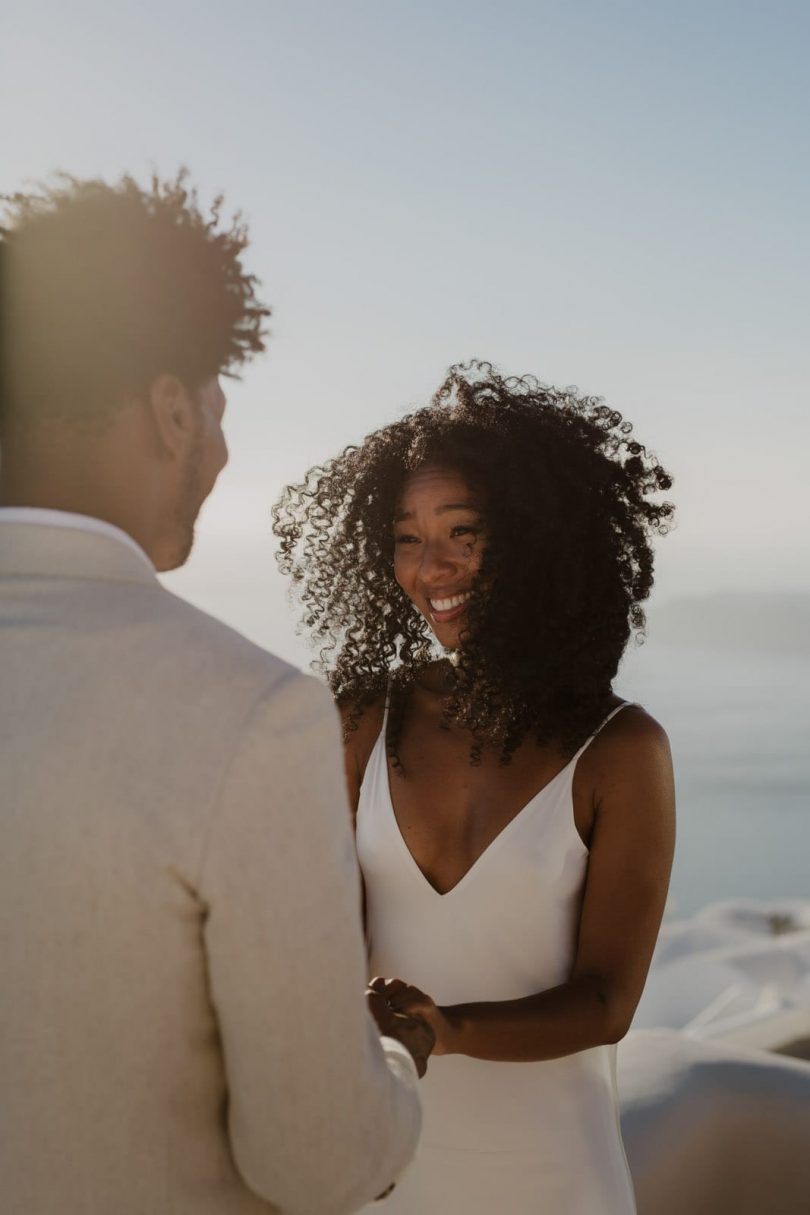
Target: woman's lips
<point>448,607</point>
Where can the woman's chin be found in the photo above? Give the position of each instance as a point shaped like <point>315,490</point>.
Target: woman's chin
<point>448,633</point>
<point>448,636</point>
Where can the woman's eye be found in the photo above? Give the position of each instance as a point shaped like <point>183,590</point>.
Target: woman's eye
<point>463,529</point>
<point>405,539</point>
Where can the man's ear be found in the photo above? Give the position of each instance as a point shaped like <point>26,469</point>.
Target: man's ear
<point>174,413</point>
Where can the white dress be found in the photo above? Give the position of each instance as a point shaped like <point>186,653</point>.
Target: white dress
<point>501,1138</point>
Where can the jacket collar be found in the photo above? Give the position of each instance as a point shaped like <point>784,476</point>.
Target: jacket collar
<point>42,551</point>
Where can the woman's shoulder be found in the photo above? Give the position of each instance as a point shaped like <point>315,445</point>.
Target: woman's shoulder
<point>632,736</point>
<point>361,715</point>
<point>630,719</point>
<point>634,722</point>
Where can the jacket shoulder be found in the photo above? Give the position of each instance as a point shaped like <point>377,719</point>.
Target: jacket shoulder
<point>205,665</point>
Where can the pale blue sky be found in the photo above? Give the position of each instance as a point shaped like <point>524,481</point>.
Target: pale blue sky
<point>611,195</point>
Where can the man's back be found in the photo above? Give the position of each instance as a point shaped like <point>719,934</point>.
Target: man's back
<point>178,911</point>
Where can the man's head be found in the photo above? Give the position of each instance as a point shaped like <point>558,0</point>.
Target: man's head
<point>121,307</point>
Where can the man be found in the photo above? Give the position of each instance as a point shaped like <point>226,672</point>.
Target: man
<point>182,1025</point>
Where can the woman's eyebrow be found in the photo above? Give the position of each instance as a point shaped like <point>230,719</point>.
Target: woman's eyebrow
<point>440,510</point>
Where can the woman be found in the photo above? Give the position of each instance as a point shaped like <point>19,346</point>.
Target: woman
<point>515,819</point>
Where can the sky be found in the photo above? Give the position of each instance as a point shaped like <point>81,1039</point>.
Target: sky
<point>615,196</point>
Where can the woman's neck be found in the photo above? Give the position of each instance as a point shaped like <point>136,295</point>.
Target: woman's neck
<point>437,678</point>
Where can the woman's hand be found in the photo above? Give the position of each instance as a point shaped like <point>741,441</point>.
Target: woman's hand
<point>414,1033</point>
<point>409,1001</point>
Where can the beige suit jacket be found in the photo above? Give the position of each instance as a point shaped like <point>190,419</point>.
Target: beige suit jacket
<point>182,1024</point>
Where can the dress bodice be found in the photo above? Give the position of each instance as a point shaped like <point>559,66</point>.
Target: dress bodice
<point>516,909</point>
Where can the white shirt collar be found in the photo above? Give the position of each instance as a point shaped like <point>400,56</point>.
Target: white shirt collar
<point>62,518</point>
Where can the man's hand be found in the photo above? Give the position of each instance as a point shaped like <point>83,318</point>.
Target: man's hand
<point>415,1035</point>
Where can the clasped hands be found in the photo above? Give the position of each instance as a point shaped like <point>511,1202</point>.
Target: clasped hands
<point>412,1017</point>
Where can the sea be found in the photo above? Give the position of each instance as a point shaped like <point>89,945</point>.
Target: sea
<point>739,725</point>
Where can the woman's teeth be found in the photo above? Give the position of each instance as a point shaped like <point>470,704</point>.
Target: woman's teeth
<point>444,605</point>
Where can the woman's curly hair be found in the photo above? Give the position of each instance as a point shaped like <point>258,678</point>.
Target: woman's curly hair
<point>104,287</point>
<point>570,500</point>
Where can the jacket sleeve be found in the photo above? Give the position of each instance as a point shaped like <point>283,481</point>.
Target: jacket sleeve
<point>320,1120</point>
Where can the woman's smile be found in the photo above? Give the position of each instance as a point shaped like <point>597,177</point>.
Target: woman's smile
<point>448,607</point>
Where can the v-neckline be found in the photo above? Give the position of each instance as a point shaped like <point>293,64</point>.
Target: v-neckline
<point>417,869</point>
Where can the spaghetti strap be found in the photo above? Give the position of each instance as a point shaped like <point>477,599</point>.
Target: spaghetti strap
<point>383,734</point>
<point>618,708</point>
<point>624,704</point>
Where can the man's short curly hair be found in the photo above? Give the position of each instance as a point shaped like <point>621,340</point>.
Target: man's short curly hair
<point>570,500</point>
<point>104,287</point>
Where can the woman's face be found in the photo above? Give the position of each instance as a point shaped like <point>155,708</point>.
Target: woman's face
<point>438,543</point>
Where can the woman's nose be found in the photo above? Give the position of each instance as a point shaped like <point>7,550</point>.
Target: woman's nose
<point>437,561</point>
